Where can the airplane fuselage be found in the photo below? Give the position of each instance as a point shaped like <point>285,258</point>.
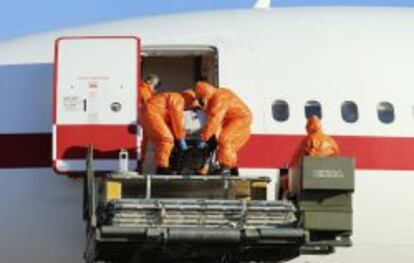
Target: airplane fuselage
<point>323,58</point>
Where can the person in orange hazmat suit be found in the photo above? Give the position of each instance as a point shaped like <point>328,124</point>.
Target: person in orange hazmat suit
<point>227,115</point>
<point>164,118</point>
<point>145,91</point>
<point>317,143</point>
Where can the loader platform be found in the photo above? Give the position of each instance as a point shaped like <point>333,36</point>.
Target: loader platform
<point>185,230</point>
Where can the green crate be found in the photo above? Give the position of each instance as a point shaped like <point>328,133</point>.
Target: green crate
<point>328,173</point>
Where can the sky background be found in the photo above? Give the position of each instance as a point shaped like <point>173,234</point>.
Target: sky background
<point>22,17</point>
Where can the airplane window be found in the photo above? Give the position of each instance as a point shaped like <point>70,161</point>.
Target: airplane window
<point>385,112</point>
<point>280,110</point>
<point>349,111</point>
<point>313,107</point>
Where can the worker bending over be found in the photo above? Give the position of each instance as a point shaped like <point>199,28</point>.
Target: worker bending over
<point>164,119</point>
<point>229,118</point>
<point>145,91</point>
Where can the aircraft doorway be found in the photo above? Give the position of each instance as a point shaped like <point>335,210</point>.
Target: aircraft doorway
<point>180,67</point>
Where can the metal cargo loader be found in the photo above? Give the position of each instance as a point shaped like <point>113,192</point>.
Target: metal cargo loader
<point>185,218</point>
<point>214,218</point>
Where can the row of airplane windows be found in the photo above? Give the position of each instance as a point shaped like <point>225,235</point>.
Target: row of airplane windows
<point>349,111</point>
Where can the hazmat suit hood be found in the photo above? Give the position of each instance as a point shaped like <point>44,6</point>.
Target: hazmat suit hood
<point>204,91</point>
<point>313,125</point>
<point>190,99</point>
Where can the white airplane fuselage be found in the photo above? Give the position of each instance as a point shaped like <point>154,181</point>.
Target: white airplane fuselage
<point>295,55</point>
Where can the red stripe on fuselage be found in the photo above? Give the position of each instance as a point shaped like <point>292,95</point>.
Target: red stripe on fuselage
<point>25,150</point>
<point>262,151</point>
<point>73,140</point>
<point>377,153</point>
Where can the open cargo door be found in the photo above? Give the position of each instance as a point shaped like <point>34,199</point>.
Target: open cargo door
<point>95,101</point>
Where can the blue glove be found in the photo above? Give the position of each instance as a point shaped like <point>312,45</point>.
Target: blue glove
<point>201,145</point>
<point>182,145</point>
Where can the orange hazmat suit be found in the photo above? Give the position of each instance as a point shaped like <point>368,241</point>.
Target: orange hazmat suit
<point>164,118</point>
<point>190,98</point>
<point>145,92</point>
<point>318,143</point>
<point>226,113</point>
